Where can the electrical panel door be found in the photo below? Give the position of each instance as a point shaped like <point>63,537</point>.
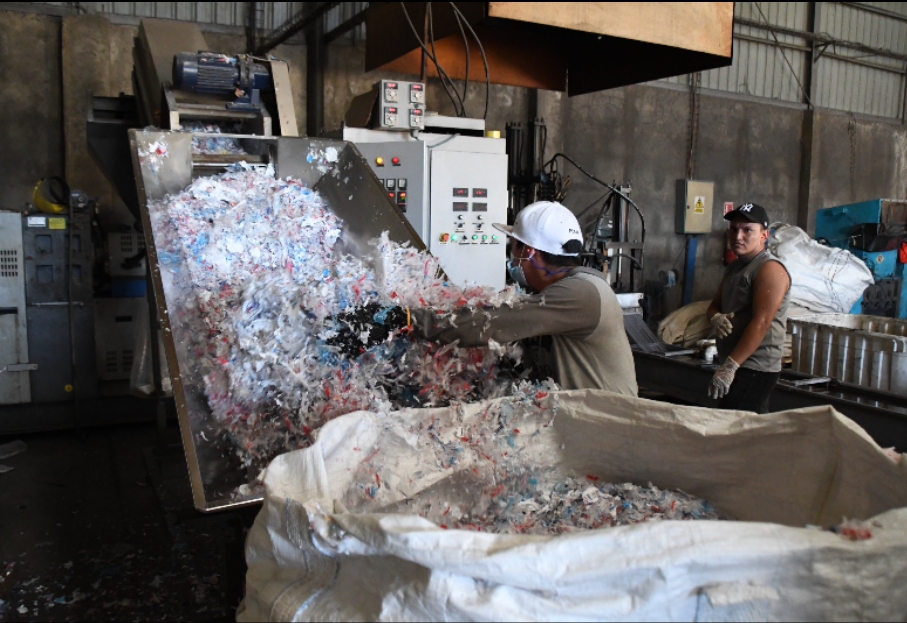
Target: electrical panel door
<point>14,380</point>
<point>468,194</point>
<point>694,207</point>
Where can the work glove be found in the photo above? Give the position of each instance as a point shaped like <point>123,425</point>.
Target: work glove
<point>722,379</point>
<point>362,327</point>
<point>721,324</point>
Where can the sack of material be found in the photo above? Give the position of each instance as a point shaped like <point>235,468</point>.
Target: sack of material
<point>779,479</point>
<point>823,279</point>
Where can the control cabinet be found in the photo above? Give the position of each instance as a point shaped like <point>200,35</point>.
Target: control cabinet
<point>451,189</point>
<point>14,380</point>
<point>401,106</point>
<point>694,207</point>
<point>46,241</point>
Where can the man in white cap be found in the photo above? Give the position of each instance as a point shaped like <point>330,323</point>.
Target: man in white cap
<point>572,307</point>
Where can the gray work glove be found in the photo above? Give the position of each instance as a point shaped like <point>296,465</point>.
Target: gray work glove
<point>721,324</point>
<point>722,379</point>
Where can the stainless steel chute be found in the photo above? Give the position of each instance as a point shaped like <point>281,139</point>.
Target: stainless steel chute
<point>164,164</point>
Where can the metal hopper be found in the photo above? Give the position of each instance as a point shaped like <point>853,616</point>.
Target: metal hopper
<point>356,196</point>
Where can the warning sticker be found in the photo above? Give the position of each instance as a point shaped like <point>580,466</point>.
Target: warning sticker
<point>699,205</point>
<point>56,223</point>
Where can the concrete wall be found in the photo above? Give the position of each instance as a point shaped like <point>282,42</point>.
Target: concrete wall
<point>31,126</point>
<point>640,134</point>
<point>790,160</point>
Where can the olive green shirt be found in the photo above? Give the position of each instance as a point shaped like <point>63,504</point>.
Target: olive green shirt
<point>589,347</point>
<point>737,297</point>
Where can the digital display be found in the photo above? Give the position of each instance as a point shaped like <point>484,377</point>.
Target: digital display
<point>479,192</point>
<point>460,192</point>
<point>417,87</point>
<point>460,206</point>
<point>480,207</point>
<point>390,85</point>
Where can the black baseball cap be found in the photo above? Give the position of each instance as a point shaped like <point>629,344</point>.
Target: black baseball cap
<point>752,212</point>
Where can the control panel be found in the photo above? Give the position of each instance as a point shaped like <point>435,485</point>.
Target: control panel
<point>468,194</point>
<point>401,106</point>
<point>451,194</point>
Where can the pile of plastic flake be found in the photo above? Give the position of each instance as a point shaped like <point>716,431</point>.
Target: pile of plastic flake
<point>213,145</point>
<point>490,477</point>
<point>252,260</point>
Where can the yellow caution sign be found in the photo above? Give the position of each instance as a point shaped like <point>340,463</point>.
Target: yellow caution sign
<point>699,205</point>
<point>56,223</point>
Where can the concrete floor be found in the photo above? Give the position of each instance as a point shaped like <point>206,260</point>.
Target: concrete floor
<point>99,525</point>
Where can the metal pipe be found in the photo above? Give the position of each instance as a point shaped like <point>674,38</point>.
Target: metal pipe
<point>826,346</point>
<point>844,369</point>
<point>881,363</point>
<point>862,363</point>
<point>899,369</point>
<point>796,341</point>
<point>807,347</point>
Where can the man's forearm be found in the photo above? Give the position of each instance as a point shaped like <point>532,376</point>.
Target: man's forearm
<point>752,337</point>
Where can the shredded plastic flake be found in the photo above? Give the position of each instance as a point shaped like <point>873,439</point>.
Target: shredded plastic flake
<point>253,261</point>
<point>488,476</point>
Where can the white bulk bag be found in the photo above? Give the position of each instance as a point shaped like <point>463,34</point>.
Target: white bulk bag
<point>823,279</point>
<point>309,559</point>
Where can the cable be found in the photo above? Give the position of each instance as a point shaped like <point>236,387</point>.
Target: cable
<point>484,58</point>
<point>784,56</point>
<point>426,50</point>
<point>466,45</point>
<point>461,111</point>
<point>642,219</point>
<point>446,140</point>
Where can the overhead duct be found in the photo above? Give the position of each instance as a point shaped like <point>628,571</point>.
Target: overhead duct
<point>599,45</point>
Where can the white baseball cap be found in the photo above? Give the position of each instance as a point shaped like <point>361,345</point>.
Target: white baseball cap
<point>546,226</point>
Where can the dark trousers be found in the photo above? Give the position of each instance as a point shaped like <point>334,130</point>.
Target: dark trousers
<point>750,391</point>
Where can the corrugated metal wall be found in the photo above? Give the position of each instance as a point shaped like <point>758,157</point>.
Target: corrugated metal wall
<point>771,65</point>
<point>230,14</point>
<point>775,65</point>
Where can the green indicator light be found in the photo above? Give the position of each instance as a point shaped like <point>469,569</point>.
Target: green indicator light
<point>484,237</point>
<point>494,237</point>
<point>455,237</point>
<point>475,237</point>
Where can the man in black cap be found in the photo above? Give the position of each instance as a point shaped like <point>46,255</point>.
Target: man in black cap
<point>749,315</point>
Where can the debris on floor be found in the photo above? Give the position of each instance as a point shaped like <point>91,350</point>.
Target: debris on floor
<point>13,448</point>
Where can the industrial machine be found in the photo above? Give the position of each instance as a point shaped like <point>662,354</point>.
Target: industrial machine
<point>875,232</point>
<point>215,470</point>
<point>448,179</point>
<point>176,80</point>
<point>15,385</point>
<point>47,305</point>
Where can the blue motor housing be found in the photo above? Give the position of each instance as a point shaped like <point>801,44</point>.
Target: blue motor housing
<point>209,72</point>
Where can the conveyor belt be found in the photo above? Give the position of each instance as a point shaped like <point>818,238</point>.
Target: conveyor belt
<point>883,415</point>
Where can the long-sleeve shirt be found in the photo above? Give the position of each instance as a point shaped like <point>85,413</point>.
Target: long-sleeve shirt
<point>589,347</point>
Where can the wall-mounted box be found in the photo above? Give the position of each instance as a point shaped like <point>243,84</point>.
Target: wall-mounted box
<point>695,199</point>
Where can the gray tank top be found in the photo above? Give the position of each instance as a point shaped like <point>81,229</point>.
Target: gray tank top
<point>737,297</point>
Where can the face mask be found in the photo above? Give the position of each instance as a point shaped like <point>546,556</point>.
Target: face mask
<point>516,273</point>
